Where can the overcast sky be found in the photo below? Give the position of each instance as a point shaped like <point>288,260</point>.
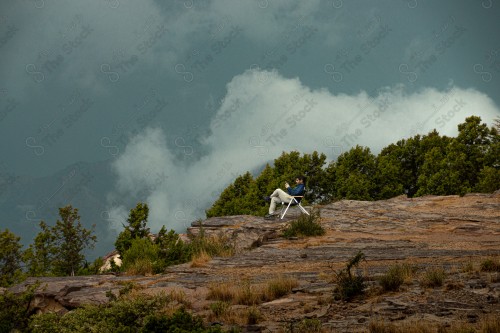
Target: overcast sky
<point>184,95</point>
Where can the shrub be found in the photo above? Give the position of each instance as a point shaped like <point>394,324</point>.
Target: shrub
<point>123,315</point>
<point>309,326</point>
<point>433,277</point>
<point>468,267</point>
<point>15,309</point>
<point>141,257</point>
<point>490,265</point>
<point>180,322</point>
<point>305,225</point>
<point>349,285</point>
<point>392,279</point>
<point>219,308</point>
<point>172,249</point>
<point>396,276</point>
<point>140,314</point>
<point>253,315</point>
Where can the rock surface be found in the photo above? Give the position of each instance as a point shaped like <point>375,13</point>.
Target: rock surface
<point>451,232</point>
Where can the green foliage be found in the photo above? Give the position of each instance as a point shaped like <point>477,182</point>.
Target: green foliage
<point>15,309</point>
<point>308,325</point>
<point>388,176</point>
<point>219,308</point>
<point>58,250</point>
<point>244,195</point>
<point>253,315</point>
<point>305,225</point>
<point>141,258</point>
<point>234,199</point>
<point>123,315</point>
<point>354,174</point>
<point>10,258</point>
<point>172,249</point>
<point>39,257</point>
<point>136,227</point>
<point>348,284</point>
<point>92,268</point>
<point>420,165</point>
<point>488,180</point>
<point>180,322</point>
<point>141,255</point>
<point>71,238</point>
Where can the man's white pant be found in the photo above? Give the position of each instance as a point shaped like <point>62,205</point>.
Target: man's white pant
<point>278,196</point>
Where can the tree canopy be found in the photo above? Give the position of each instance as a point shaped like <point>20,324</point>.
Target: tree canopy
<point>58,250</point>
<point>415,166</point>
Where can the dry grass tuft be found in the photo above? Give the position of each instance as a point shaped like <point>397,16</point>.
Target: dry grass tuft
<point>200,259</point>
<point>490,324</point>
<point>141,266</point>
<point>279,287</point>
<point>405,327</point>
<point>396,276</point>
<point>433,277</point>
<point>222,291</point>
<point>490,265</point>
<point>246,293</point>
<point>180,297</point>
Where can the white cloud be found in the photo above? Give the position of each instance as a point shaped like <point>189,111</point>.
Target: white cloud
<point>264,114</point>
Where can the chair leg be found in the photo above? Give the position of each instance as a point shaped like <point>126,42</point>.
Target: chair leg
<point>303,209</point>
<point>283,215</point>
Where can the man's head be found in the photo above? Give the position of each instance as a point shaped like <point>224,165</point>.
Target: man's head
<point>300,179</point>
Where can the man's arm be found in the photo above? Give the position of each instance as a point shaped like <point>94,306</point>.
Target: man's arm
<point>297,190</point>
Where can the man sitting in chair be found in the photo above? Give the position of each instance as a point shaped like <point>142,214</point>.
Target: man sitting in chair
<point>279,195</point>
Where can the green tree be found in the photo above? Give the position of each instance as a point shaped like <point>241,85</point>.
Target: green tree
<point>440,174</point>
<point>71,239</point>
<point>389,174</point>
<point>455,165</point>
<point>311,166</point>
<point>58,250</point>
<point>136,228</point>
<point>234,199</point>
<point>172,250</point>
<point>244,195</point>
<point>474,139</point>
<point>354,174</point>
<point>489,180</point>
<point>328,182</point>
<point>10,258</point>
<point>292,164</point>
<point>39,257</point>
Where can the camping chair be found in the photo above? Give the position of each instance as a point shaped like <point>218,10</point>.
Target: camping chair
<point>296,199</point>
